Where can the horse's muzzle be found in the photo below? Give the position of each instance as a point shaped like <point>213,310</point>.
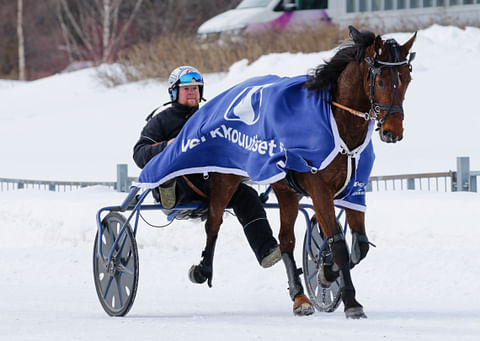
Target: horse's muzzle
<point>389,137</point>
<point>391,130</point>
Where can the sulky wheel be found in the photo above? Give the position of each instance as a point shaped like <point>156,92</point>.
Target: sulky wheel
<point>116,285</point>
<point>324,299</point>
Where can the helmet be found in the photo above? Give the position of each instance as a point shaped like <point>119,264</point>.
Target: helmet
<point>183,76</point>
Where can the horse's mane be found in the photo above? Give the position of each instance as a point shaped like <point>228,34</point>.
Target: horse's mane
<point>324,77</point>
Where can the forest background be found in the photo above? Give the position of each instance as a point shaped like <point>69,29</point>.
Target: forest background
<point>144,39</point>
<point>60,33</point>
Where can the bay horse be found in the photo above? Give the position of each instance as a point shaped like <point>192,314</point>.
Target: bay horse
<point>367,79</point>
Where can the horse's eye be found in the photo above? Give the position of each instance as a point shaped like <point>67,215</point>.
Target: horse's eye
<point>380,83</point>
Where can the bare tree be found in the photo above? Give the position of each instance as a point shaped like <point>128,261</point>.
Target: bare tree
<point>95,29</point>
<point>21,44</point>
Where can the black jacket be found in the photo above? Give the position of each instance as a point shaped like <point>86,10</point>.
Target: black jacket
<point>159,130</point>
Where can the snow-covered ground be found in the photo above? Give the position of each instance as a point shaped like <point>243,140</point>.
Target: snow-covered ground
<point>421,282</point>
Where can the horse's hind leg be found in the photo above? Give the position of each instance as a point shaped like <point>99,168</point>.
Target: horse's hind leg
<point>222,188</point>
<point>288,203</point>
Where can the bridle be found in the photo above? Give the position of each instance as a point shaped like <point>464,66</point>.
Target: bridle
<point>373,72</point>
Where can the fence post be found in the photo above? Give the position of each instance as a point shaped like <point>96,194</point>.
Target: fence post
<point>122,174</point>
<point>411,183</point>
<point>453,179</point>
<point>473,183</point>
<point>463,173</point>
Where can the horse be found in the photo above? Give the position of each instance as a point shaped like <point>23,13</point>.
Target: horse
<point>367,79</point>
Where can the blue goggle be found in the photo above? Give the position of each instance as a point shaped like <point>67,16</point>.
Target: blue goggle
<point>191,77</point>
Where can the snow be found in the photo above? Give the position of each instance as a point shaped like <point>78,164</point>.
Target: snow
<point>421,282</point>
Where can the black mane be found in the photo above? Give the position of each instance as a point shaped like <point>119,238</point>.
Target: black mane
<point>324,77</point>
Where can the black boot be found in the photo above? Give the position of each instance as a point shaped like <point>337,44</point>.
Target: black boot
<point>251,214</point>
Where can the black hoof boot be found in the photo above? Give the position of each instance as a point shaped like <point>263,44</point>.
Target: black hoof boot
<point>199,275</point>
<point>326,275</point>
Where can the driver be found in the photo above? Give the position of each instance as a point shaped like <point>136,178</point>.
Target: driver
<point>186,92</point>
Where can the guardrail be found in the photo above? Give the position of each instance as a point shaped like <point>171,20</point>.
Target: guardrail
<point>122,184</point>
<point>429,181</point>
<point>57,186</point>
<point>460,180</point>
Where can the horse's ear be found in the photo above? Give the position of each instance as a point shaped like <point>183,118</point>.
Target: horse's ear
<point>408,45</point>
<point>378,44</point>
<point>354,33</point>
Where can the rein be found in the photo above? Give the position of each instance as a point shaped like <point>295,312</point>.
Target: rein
<point>364,115</point>
<point>194,188</point>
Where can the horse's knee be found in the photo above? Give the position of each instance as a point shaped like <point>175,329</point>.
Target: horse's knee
<point>360,247</point>
<point>339,250</point>
<point>287,241</point>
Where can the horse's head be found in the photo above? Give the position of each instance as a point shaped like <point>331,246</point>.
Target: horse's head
<point>386,70</point>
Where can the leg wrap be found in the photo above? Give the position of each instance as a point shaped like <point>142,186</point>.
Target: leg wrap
<point>339,250</point>
<point>295,287</point>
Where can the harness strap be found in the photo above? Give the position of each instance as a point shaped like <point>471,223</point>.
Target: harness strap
<point>338,237</point>
<point>194,188</point>
<point>292,183</point>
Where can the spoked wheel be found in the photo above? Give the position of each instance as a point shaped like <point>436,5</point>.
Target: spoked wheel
<point>116,284</point>
<point>324,299</point>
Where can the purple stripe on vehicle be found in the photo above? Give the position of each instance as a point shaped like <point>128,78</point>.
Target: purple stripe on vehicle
<point>282,21</point>
<point>325,15</point>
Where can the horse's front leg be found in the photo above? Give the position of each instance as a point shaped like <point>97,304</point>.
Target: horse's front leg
<point>288,205</point>
<point>322,197</point>
<point>360,243</point>
<point>222,188</point>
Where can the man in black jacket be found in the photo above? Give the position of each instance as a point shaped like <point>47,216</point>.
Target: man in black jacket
<point>186,92</point>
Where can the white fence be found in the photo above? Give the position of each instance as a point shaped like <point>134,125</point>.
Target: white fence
<point>460,180</point>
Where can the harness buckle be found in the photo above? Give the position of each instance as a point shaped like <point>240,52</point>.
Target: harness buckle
<point>373,115</point>
<point>345,151</point>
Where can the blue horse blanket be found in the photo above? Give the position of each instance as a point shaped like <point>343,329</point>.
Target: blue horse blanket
<point>260,129</point>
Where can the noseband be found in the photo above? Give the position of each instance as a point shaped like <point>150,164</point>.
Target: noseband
<point>373,72</point>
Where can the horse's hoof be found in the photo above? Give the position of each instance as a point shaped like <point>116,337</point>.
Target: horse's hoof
<point>195,275</point>
<point>355,313</point>
<point>302,306</point>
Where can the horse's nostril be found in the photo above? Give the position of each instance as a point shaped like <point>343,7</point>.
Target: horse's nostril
<point>389,137</point>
